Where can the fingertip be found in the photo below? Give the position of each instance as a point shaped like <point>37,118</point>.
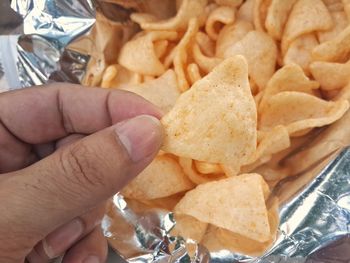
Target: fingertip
<point>141,136</point>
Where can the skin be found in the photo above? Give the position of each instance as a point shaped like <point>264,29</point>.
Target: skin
<point>64,150</point>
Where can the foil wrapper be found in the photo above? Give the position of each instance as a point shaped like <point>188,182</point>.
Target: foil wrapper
<point>315,206</point>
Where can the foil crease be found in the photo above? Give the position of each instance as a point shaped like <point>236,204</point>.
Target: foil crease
<point>311,218</point>
<point>49,26</point>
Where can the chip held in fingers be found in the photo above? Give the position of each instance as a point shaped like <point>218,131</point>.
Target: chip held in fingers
<point>215,121</point>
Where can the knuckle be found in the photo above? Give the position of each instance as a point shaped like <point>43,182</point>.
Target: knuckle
<point>81,166</point>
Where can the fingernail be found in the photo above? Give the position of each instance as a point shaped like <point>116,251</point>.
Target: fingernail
<point>91,259</point>
<point>62,238</point>
<point>141,136</point>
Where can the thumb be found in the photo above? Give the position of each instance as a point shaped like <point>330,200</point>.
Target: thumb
<point>76,178</point>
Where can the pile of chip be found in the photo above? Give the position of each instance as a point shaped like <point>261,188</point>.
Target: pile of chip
<point>242,85</point>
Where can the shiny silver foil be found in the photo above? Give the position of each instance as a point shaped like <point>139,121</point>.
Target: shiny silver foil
<point>315,215</point>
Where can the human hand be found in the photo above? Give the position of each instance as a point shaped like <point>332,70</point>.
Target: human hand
<point>63,151</point>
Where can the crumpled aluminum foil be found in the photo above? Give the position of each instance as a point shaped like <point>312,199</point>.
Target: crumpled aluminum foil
<point>314,217</point>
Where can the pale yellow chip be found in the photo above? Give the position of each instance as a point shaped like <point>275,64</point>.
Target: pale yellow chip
<point>260,51</point>
<point>116,76</point>
<point>230,35</point>
<point>236,204</point>
<point>217,239</point>
<point>340,22</point>
<point>335,50</point>
<point>188,9</point>
<point>189,227</point>
<point>333,138</point>
<point>246,11</point>
<point>307,16</point>
<point>162,92</point>
<point>346,4</point>
<point>270,142</point>
<point>205,43</point>
<point>231,3</point>
<point>139,54</point>
<point>331,75</point>
<point>299,111</point>
<point>208,168</point>
<point>207,64</point>
<point>299,51</point>
<point>163,177</point>
<point>217,19</point>
<point>214,121</point>
<point>193,73</point>
<point>277,16</point>
<point>288,78</point>
<point>189,169</point>
<point>260,13</point>
<point>180,55</point>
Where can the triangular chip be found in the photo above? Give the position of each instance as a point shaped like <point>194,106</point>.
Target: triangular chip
<point>299,111</point>
<point>163,177</point>
<point>289,78</point>
<point>277,16</point>
<point>236,204</point>
<point>214,121</point>
<point>260,51</point>
<point>139,54</point>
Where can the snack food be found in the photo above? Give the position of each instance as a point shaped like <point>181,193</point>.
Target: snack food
<point>242,87</point>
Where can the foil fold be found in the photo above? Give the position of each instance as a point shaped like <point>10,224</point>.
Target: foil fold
<point>312,216</point>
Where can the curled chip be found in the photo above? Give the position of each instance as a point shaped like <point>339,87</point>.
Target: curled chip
<point>189,169</point>
<point>307,16</point>
<point>288,78</point>
<point>219,17</point>
<point>180,55</point>
<point>333,138</point>
<point>163,177</point>
<point>340,22</point>
<point>205,43</point>
<point>162,92</point>
<point>260,13</point>
<point>335,50</point>
<point>236,204</point>
<point>219,104</point>
<point>189,9</point>
<point>205,63</point>
<point>193,73</point>
<point>299,51</point>
<point>277,16</point>
<point>139,54</point>
<point>299,111</point>
<point>260,52</point>
<point>331,75</point>
<point>116,76</point>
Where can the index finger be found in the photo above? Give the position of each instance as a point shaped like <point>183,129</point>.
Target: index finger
<point>42,114</point>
